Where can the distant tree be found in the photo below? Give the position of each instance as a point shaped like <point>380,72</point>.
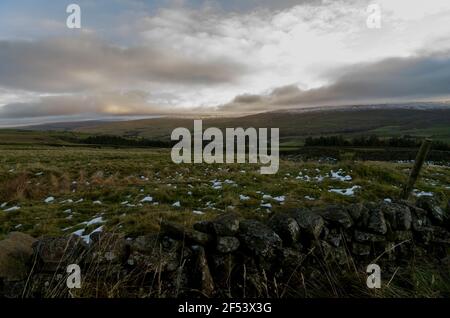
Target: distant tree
<point>372,141</point>
<point>110,140</point>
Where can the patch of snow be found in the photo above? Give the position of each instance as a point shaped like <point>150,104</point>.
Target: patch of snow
<point>217,185</point>
<point>319,178</point>
<point>346,192</point>
<point>97,202</point>
<point>14,208</point>
<point>147,199</point>
<point>3,204</point>
<point>198,212</point>
<point>267,197</point>
<point>68,211</point>
<point>418,193</point>
<point>177,204</point>
<point>307,197</point>
<point>79,201</point>
<point>388,200</point>
<point>404,161</point>
<point>97,220</point>
<point>49,200</point>
<point>39,174</point>
<point>78,233</point>
<point>304,178</point>
<point>280,198</point>
<point>339,175</point>
<point>87,238</point>
<point>243,197</point>
<point>266,205</point>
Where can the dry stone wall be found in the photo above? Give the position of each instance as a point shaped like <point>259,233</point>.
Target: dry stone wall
<point>230,256</point>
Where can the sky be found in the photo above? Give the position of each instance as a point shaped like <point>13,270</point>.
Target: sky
<point>136,57</point>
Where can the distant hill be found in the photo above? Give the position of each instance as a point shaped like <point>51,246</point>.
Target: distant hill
<point>419,119</point>
<point>390,121</point>
<point>63,126</point>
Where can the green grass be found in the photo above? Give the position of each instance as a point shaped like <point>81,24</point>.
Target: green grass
<point>438,132</point>
<point>28,175</point>
<point>30,138</point>
<point>37,165</point>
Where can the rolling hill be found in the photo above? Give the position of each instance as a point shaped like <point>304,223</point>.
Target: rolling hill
<point>349,121</point>
<point>430,120</point>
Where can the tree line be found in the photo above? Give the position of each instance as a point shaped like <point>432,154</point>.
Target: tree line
<point>372,141</point>
<point>110,140</point>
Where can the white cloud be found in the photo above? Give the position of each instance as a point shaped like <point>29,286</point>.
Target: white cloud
<point>298,45</point>
<point>206,57</point>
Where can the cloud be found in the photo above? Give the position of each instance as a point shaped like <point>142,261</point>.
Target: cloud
<point>68,65</point>
<point>393,79</point>
<point>297,44</point>
<point>105,103</point>
<point>259,55</point>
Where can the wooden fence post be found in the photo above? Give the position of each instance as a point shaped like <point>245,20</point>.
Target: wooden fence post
<point>420,159</point>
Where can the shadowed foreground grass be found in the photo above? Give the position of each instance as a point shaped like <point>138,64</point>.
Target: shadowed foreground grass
<point>58,191</point>
<point>82,184</point>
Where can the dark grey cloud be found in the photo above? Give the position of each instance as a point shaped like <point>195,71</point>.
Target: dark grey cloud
<point>105,103</point>
<point>411,78</point>
<point>87,63</point>
<point>248,99</point>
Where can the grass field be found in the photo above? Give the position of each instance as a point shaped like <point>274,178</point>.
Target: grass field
<point>112,188</point>
<point>52,186</point>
